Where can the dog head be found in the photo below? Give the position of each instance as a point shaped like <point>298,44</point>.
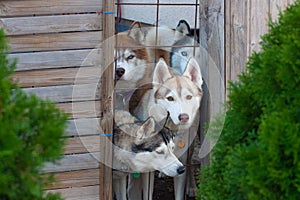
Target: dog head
<point>151,147</point>
<point>183,48</point>
<point>131,57</point>
<point>180,95</point>
<point>154,149</point>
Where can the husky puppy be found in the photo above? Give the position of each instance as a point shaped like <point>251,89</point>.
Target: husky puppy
<point>131,65</point>
<point>141,147</point>
<point>180,95</point>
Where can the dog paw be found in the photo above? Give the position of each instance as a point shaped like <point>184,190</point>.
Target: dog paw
<point>161,175</point>
<point>191,192</point>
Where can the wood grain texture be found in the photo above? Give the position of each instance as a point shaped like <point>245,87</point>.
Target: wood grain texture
<point>258,23</point>
<point>67,93</point>
<point>83,127</point>
<point>107,88</point>
<point>56,77</point>
<point>73,163</point>
<point>79,193</point>
<point>212,67</point>
<point>246,22</point>
<point>57,59</point>
<point>85,109</point>
<point>43,7</point>
<point>55,41</point>
<point>76,179</point>
<point>51,24</point>
<point>83,144</point>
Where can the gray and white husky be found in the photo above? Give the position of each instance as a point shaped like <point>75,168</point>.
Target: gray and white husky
<point>186,45</point>
<point>141,147</point>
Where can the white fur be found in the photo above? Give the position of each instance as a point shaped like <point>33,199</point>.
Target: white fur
<point>162,159</point>
<point>162,76</point>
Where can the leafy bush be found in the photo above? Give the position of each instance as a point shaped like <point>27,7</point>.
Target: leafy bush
<point>258,153</point>
<point>31,133</point>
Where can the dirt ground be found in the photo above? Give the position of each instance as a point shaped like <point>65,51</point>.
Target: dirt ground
<point>164,190</point>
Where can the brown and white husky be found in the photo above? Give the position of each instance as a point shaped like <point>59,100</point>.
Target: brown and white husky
<point>180,95</point>
<point>132,67</point>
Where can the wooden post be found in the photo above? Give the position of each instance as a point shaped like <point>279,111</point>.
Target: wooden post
<point>212,67</point>
<point>107,88</point>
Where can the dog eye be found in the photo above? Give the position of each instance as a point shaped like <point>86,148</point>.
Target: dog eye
<point>130,57</point>
<point>184,53</point>
<point>189,97</point>
<point>170,98</point>
<point>159,151</point>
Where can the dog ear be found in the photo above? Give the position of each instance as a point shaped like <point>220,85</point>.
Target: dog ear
<point>182,29</point>
<point>147,129</point>
<point>135,32</point>
<point>193,72</point>
<point>161,72</point>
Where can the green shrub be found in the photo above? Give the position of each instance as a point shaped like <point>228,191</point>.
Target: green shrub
<point>31,133</point>
<point>258,153</point>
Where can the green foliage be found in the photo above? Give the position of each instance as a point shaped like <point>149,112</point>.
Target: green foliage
<point>258,153</point>
<point>31,133</point>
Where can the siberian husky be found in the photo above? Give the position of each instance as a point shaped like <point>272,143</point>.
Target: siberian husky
<point>131,64</point>
<point>141,147</point>
<point>180,95</point>
<point>186,45</point>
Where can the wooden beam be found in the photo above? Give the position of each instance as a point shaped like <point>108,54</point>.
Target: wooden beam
<point>107,88</point>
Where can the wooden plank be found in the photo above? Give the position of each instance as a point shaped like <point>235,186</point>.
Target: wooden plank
<point>258,23</point>
<point>73,163</point>
<point>86,109</point>
<point>238,19</point>
<point>50,42</point>
<point>107,88</point>
<point>42,7</point>
<point>51,24</point>
<point>277,6</point>
<point>77,179</point>
<point>79,193</point>
<point>57,59</point>
<point>67,93</point>
<point>84,144</point>
<point>54,77</point>
<point>83,127</point>
<point>212,67</point>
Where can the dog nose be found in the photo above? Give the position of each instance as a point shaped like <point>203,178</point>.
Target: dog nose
<point>181,170</point>
<point>120,71</point>
<point>183,117</point>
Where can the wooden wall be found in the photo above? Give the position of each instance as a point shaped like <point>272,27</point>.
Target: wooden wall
<point>51,39</point>
<point>245,22</point>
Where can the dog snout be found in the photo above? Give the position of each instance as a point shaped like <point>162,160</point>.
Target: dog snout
<point>120,72</point>
<point>181,170</point>
<point>183,117</point>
